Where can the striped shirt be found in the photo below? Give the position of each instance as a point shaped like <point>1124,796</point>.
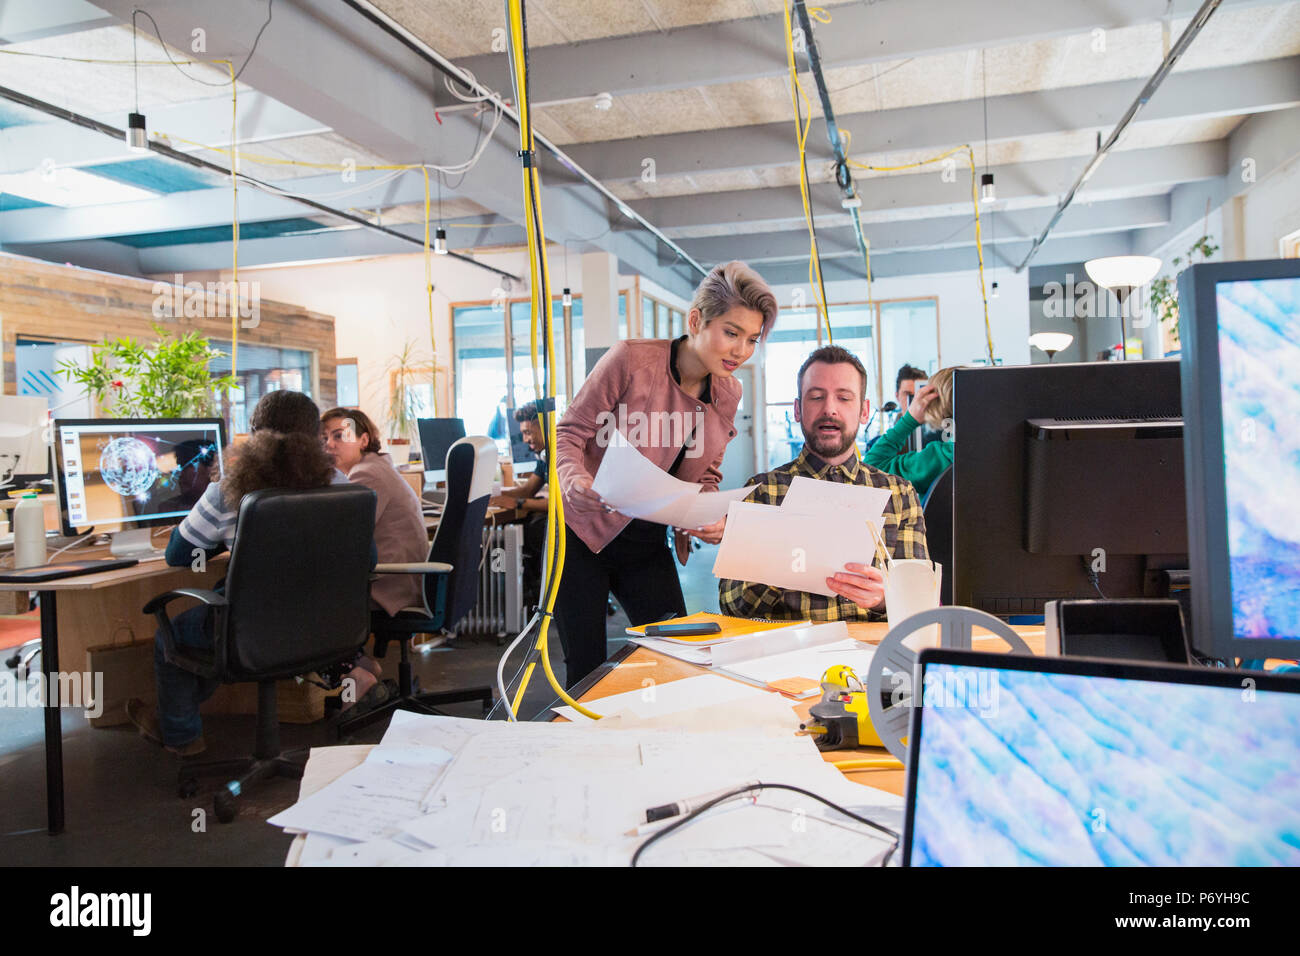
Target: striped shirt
<point>210,525</point>
<point>904,538</point>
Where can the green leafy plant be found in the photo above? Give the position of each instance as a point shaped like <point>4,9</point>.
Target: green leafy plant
<point>168,379</point>
<point>405,369</point>
<point>1164,291</point>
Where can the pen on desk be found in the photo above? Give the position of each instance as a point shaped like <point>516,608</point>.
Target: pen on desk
<point>681,807</point>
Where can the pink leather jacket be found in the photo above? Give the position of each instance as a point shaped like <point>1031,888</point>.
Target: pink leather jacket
<point>633,383</point>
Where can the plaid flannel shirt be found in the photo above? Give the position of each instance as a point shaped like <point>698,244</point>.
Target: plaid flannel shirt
<point>904,538</point>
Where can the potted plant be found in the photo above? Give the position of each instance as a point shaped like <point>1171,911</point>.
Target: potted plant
<point>404,369</point>
<point>1164,291</point>
<point>168,379</point>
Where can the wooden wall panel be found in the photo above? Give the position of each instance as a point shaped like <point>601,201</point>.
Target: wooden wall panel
<point>43,300</point>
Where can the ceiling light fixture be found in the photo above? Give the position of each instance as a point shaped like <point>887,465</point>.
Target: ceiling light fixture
<point>988,192</point>
<point>137,139</point>
<point>70,187</point>
<point>603,101</point>
<point>440,236</point>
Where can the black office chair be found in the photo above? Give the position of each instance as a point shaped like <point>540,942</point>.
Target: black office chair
<point>937,508</point>
<point>450,581</point>
<point>297,599</point>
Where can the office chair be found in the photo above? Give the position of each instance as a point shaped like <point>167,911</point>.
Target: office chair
<point>450,581</point>
<point>937,508</point>
<point>297,599</point>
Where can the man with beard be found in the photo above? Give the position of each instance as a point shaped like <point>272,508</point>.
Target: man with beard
<point>830,409</point>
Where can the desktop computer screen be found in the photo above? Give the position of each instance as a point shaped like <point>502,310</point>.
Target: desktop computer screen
<point>437,435</point>
<point>120,474</point>
<point>1031,761</point>
<point>1240,325</point>
<point>1067,484</point>
<point>24,446</point>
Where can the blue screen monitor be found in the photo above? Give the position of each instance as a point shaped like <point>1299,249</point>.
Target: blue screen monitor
<point>1036,761</point>
<point>119,475</point>
<point>1240,335</point>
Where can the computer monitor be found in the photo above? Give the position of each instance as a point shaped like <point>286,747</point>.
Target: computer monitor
<point>24,446</point>
<point>1053,761</point>
<point>129,475</point>
<point>1239,328</point>
<point>1067,483</point>
<point>437,435</point>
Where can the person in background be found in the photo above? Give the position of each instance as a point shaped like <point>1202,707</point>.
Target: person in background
<point>352,442</point>
<point>905,388</point>
<point>933,406</point>
<point>689,381</point>
<point>830,408</point>
<point>283,451</point>
<point>526,500</point>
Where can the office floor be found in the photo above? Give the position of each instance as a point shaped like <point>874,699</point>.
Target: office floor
<point>122,808</point>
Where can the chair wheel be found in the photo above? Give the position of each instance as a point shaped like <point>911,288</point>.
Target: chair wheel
<point>187,787</point>
<point>226,805</point>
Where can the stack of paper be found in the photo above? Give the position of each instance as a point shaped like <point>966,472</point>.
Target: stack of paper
<point>802,668</point>
<point>444,791</point>
<point>819,527</point>
<point>633,485</point>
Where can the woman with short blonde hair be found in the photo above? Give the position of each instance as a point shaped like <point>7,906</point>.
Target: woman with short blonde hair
<point>688,386</point>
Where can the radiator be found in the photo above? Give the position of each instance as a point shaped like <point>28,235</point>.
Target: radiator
<point>499,610</point>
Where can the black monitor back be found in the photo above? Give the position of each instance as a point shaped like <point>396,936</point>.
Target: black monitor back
<point>998,565</point>
<point>437,435</point>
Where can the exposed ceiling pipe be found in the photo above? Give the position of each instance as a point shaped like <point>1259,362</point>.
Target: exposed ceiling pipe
<point>843,177</point>
<point>170,152</point>
<point>1193,28</point>
<point>432,56</point>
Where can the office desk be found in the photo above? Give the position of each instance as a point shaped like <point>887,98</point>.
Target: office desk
<point>89,601</point>
<point>642,663</point>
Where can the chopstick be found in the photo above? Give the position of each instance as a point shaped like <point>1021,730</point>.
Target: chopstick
<point>881,551</point>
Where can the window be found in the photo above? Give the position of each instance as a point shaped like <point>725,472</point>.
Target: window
<point>262,369</point>
<point>36,366</point>
<point>488,380</point>
<point>792,338</point>
<point>349,385</point>
<point>479,364</point>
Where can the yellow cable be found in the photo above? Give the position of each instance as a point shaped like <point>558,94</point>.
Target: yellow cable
<point>801,137</point>
<point>975,202</point>
<point>540,298</point>
<point>878,763</point>
<point>234,218</point>
<point>81,59</point>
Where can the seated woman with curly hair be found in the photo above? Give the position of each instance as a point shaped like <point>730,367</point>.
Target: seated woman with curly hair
<point>283,451</point>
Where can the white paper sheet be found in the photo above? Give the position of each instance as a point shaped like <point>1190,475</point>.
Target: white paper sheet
<point>810,496</point>
<point>809,663</point>
<point>656,700</point>
<point>633,485</point>
<point>787,549</point>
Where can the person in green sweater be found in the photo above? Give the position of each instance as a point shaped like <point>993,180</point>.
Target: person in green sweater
<point>933,406</point>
